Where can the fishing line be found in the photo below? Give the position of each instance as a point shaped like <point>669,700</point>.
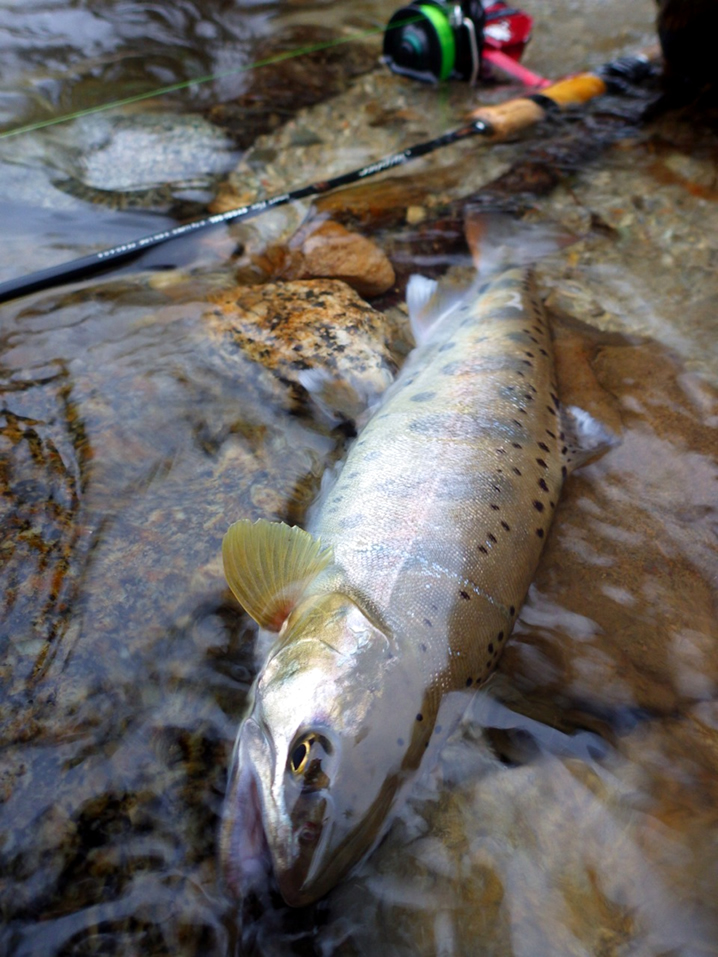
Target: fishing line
<point>493,122</point>
<point>198,81</point>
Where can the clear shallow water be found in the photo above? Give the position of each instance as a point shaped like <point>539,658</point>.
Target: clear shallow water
<point>130,439</point>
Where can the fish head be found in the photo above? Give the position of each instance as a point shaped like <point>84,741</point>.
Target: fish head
<point>320,757</point>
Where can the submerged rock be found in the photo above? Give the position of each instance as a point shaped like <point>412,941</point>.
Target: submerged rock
<point>141,158</point>
<point>318,336</point>
<point>298,66</point>
<point>621,614</point>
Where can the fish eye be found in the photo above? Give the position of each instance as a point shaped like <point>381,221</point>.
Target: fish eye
<point>301,751</point>
<point>300,756</point>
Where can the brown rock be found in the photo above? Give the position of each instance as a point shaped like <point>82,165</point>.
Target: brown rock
<point>331,252</point>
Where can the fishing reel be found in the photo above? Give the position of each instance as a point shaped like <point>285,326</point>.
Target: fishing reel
<point>432,40</point>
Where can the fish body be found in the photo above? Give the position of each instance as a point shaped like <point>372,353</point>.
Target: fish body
<point>439,515</point>
<point>412,575</point>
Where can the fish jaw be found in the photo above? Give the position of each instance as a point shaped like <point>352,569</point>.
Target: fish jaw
<point>245,859</point>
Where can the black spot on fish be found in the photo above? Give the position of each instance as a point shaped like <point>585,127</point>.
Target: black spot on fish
<point>521,409</point>
<point>542,463</point>
<point>515,470</point>
<point>517,446</point>
<point>542,445</point>
<point>527,395</point>
<point>491,648</point>
<point>501,451</point>
<point>423,396</point>
<point>427,623</point>
<point>521,375</point>
<point>543,352</point>
<point>437,729</point>
<point>564,450</point>
<point>423,647</point>
<point>500,636</point>
<point>506,526</point>
<point>538,506</point>
<point>512,610</point>
<point>465,595</point>
<point>400,742</point>
<point>552,504</point>
<point>488,664</point>
<point>420,717</point>
<point>492,538</point>
<point>483,549</point>
<point>495,507</point>
<point>543,485</point>
<point>550,433</point>
<point>451,368</point>
<point>555,399</point>
<point>564,471</point>
<point>469,682</point>
<point>529,354</point>
<point>539,532</point>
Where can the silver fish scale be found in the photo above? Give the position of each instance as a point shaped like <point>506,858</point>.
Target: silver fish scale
<point>441,510</point>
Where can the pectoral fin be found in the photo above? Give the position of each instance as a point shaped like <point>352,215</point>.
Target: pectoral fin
<point>268,565</point>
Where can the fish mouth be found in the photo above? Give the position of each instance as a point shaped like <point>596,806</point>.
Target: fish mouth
<point>245,858</point>
<point>300,883</point>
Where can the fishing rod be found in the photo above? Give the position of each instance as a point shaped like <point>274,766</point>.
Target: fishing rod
<point>495,123</point>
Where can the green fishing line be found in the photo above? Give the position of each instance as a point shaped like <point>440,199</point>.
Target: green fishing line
<point>196,81</point>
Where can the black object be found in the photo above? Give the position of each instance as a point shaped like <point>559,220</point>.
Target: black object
<point>626,69</point>
<point>107,258</point>
<point>433,41</point>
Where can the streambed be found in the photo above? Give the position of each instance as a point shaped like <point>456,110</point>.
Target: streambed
<point>583,821</point>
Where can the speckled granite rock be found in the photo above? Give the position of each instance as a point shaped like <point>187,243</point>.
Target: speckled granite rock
<point>318,336</point>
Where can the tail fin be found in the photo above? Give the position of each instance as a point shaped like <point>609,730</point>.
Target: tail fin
<point>498,241</point>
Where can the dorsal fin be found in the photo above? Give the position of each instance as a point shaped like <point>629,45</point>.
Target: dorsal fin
<point>268,565</point>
